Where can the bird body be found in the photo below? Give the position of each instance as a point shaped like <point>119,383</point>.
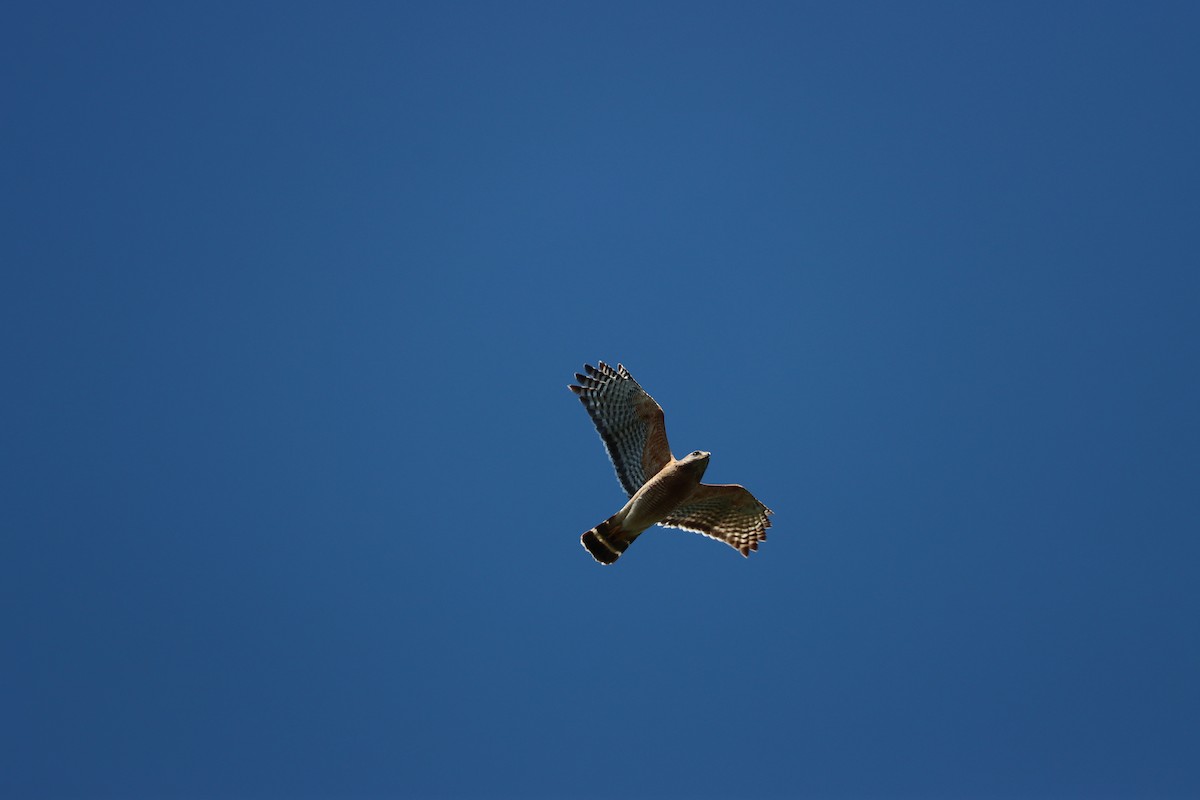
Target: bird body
<point>651,504</point>
<point>666,491</point>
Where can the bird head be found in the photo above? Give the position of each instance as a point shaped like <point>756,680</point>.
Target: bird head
<point>696,460</point>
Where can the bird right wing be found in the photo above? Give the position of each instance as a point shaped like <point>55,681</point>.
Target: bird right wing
<point>628,420</point>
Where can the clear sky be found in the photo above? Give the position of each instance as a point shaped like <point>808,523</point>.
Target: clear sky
<point>293,486</point>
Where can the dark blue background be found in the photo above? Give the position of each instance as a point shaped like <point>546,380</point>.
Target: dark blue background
<point>293,485</point>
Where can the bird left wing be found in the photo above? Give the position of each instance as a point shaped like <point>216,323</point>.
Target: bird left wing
<point>727,512</point>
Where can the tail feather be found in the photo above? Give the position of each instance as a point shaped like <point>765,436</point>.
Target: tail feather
<point>607,541</point>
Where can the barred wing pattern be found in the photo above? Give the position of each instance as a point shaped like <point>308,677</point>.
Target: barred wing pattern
<point>628,420</point>
<point>726,512</point>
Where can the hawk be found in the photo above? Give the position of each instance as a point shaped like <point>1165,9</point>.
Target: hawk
<point>662,489</point>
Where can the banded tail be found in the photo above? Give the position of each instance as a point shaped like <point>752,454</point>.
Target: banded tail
<point>607,541</point>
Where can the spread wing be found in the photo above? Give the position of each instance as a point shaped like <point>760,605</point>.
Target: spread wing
<point>726,512</point>
<point>628,420</point>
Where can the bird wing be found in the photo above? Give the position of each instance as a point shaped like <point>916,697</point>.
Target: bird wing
<point>726,512</point>
<point>628,420</point>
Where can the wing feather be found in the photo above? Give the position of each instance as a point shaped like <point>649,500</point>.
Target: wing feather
<point>726,512</point>
<point>628,420</point>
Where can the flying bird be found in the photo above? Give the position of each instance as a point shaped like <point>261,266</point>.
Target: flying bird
<point>662,489</point>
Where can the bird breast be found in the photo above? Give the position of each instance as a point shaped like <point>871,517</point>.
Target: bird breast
<point>660,495</point>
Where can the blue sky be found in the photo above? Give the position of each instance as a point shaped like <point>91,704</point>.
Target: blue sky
<point>294,484</point>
